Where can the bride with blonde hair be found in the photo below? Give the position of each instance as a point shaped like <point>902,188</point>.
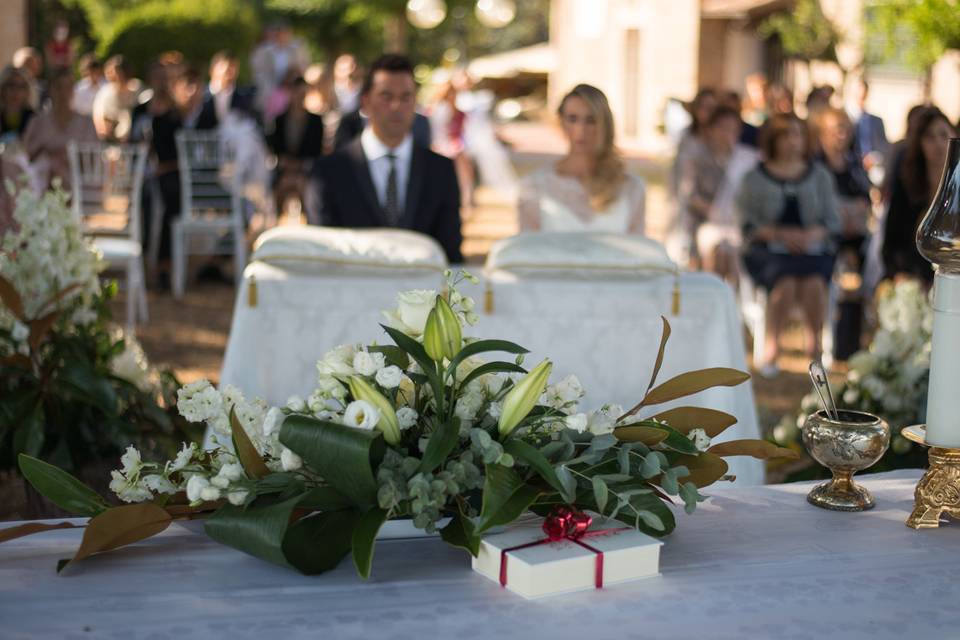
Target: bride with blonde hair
<point>589,189</point>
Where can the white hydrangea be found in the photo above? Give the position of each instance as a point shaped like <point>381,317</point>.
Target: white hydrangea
<point>159,484</point>
<point>184,457</point>
<point>199,401</point>
<point>128,489</point>
<point>564,395</point>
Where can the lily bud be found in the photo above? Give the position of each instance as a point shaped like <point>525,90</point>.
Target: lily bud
<point>523,397</point>
<point>442,336</point>
<point>388,423</point>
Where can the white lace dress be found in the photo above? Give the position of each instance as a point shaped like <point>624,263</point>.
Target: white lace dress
<point>551,202</point>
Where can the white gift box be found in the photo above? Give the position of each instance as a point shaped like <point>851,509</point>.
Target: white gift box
<point>563,566</point>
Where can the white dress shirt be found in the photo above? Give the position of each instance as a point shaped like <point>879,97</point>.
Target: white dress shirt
<point>376,152</point>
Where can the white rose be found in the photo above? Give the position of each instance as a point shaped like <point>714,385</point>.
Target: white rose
<point>273,421</point>
<point>360,414</point>
<point>389,377</point>
<point>577,422</point>
<point>195,485</point>
<point>296,404</point>
<point>338,361</point>
<point>368,364</point>
<point>413,307</point>
<point>290,461</point>
<point>407,417</point>
<point>700,439</point>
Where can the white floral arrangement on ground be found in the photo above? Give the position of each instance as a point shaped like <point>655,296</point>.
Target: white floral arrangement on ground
<point>423,429</point>
<point>889,378</point>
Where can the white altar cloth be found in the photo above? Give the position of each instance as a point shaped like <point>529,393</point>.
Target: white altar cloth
<point>752,562</point>
<point>607,333</point>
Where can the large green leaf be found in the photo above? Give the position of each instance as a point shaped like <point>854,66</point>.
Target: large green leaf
<point>491,367</point>
<point>413,348</point>
<point>90,386</point>
<point>324,499</point>
<point>30,435</point>
<point>256,530</point>
<point>461,533</point>
<point>364,537</point>
<point>318,543</point>
<point>484,346</point>
<point>442,441</point>
<point>537,461</point>
<point>393,355</point>
<point>344,457</point>
<point>505,497</point>
<point>61,488</point>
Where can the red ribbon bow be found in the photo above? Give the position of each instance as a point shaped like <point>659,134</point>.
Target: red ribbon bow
<point>563,523</point>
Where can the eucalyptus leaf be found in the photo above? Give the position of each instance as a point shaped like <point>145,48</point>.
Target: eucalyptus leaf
<point>600,493</point>
<point>61,488</point>
<point>651,466</point>
<point>651,519</point>
<point>568,482</point>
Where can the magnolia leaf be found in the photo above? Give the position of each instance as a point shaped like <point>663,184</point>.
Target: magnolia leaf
<point>364,537</point>
<point>39,329</point>
<point>663,345</point>
<point>705,469</point>
<point>461,533</point>
<point>685,419</point>
<point>120,526</point>
<point>11,299</point>
<point>649,436</point>
<point>344,457</point>
<point>61,488</point>
<point>693,382</point>
<point>505,497</point>
<point>442,441</point>
<point>536,460</point>
<point>256,530</point>
<point>250,458</point>
<point>318,543</point>
<point>30,528</point>
<point>92,386</point>
<point>760,449</point>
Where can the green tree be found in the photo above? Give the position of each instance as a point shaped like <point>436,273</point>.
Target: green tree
<point>805,33</point>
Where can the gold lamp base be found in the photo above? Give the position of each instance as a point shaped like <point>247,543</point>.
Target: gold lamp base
<point>938,492</point>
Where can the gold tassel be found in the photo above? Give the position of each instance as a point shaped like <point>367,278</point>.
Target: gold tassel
<point>676,294</point>
<point>488,298</point>
<point>252,291</point>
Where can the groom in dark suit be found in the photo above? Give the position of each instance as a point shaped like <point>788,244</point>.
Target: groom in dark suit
<point>382,179</point>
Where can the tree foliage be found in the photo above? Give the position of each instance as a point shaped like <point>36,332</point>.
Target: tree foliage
<point>805,32</point>
<point>919,30</point>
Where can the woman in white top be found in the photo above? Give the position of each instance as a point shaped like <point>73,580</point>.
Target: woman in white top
<point>588,189</point>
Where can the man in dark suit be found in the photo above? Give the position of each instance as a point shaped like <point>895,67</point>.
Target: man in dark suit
<point>869,135</point>
<point>352,124</point>
<point>383,179</point>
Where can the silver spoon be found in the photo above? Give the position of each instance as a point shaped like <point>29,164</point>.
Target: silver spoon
<point>822,384</point>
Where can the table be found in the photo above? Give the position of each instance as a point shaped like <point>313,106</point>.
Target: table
<point>753,562</point>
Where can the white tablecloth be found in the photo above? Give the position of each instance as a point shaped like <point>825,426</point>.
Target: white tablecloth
<point>753,562</point>
<point>605,332</point>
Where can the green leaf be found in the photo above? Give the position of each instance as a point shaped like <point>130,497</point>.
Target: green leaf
<point>392,354</point>
<point>344,457</point>
<point>461,533</point>
<point>650,519</point>
<point>324,499</point>
<point>411,347</point>
<point>364,537</point>
<point>258,531</point>
<point>569,483</point>
<point>505,497</point>
<point>650,467</point>
<point>537,461</point>
<point>600,493</point>
<point>442,441</point>
<point>90,386</point>
<point>483,346</point>
<point>250,458</point>
<point>29,437</point>
<point>491,367</point>
<point>318,543</point>
<point>61,488</point>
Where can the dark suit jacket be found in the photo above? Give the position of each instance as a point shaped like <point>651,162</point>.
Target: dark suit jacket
<point>343,195</point>
<point>352,124</point>
<point>311,140</point>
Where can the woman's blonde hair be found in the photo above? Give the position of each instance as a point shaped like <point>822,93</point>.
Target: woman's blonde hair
<point>608,177</point>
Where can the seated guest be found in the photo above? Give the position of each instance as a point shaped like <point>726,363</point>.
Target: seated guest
<point>48,134</point>
<point>869,135</point>
<point>383,179</point>
<point>91,81</point>
<point>912,190</point>
<point>114,104</point>
<point>322,100</point>
<point>15,111</point>
<point>296,139</point>
<point>589,189</point>
<point>353,123</point>
<point>709,182</point>
<point>788,213</point>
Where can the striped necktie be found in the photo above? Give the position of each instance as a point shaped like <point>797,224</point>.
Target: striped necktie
<point>392,205</point>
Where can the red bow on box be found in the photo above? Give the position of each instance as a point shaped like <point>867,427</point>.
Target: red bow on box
<point>563,523</point>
